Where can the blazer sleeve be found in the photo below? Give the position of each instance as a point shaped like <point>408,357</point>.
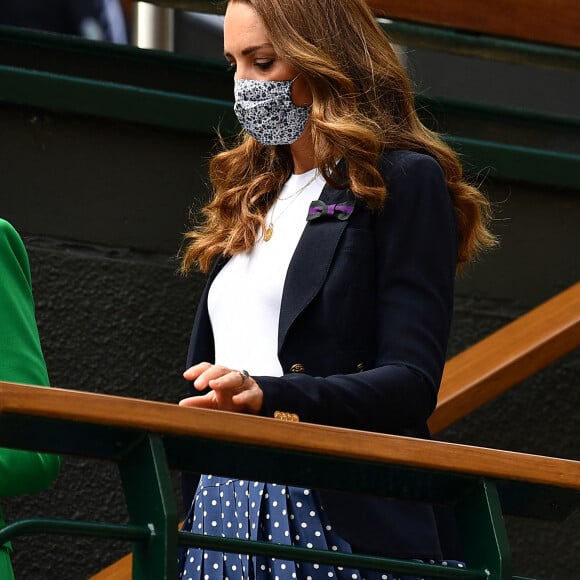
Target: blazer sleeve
<point>21,361</point>
<point>415,237</point>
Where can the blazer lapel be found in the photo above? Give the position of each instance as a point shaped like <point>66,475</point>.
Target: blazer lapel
<point>311,262</point>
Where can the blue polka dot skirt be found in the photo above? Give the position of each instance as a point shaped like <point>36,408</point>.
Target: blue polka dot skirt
<point>281,514</point>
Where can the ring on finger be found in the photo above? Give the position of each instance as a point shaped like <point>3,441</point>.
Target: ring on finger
<point>244,376</point>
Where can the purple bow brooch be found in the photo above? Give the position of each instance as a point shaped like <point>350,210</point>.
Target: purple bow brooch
<point>340,211</point>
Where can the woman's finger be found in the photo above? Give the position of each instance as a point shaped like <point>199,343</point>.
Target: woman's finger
<point>201,402</point>
<point>193,372</point>
<point>207,374</point>
<point>232,380</point>
<point>231,390</point>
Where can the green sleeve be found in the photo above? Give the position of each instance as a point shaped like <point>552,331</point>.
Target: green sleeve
<point>21,361</point>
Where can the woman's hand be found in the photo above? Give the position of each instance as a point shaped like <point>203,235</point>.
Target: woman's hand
<point>231,390</point>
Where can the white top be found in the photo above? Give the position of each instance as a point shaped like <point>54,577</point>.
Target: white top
<point>245,297</point>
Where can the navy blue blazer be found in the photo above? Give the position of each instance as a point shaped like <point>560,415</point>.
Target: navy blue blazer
<point>364,323</point>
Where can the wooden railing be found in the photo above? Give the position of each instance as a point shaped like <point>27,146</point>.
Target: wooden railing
<point>507,357</point>
<point>147,439</point>
<point>542,21</point>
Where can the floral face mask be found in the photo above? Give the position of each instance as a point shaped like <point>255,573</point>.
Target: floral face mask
<point>266,111</point>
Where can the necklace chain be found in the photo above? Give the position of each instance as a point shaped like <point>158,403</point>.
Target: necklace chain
<point>270,229</point>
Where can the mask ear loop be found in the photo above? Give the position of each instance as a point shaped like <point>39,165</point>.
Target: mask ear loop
<point>292,97</point>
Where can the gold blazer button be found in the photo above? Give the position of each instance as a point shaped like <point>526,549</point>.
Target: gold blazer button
<point>360,367</point>
<point>297,368</point>
<point>284,416</point>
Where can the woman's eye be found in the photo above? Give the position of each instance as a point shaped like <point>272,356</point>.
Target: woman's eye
<point>232,66</point>
<point>264,64</point>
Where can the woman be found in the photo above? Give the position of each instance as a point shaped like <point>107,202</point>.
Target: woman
<point>21,361</point>
<point>335,231</point>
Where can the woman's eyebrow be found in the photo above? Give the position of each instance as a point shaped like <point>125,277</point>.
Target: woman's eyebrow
<point>250,49</point>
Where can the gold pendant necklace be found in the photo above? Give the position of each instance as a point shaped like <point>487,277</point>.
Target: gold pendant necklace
<point>269,232</point>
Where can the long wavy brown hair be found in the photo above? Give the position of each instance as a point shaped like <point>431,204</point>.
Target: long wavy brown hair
<point>362,106</point>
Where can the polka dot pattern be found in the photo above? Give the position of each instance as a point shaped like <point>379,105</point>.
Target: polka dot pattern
<point>270,512</point>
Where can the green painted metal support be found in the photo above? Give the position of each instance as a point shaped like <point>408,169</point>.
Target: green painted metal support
<point>517,163</point>
<point>83,96</point>
<point>357,561</point>
<point>151,503</point>
<point>74,528</point>
<point>150,500</point>
<point>481,524</point>
<point>483,46</point>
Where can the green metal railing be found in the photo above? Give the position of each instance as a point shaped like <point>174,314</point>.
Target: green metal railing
<point>483,46</point>
<point>146,481</point>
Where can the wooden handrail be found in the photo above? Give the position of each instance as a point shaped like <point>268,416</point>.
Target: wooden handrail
<point>133,433</point>
<point>543,21</point>
<point>470,379</point>
<point>505,358</point>
<point>169,419</point>
<point>119,570</point>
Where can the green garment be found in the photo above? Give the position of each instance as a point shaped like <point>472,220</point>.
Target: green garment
<point>21,361</point>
